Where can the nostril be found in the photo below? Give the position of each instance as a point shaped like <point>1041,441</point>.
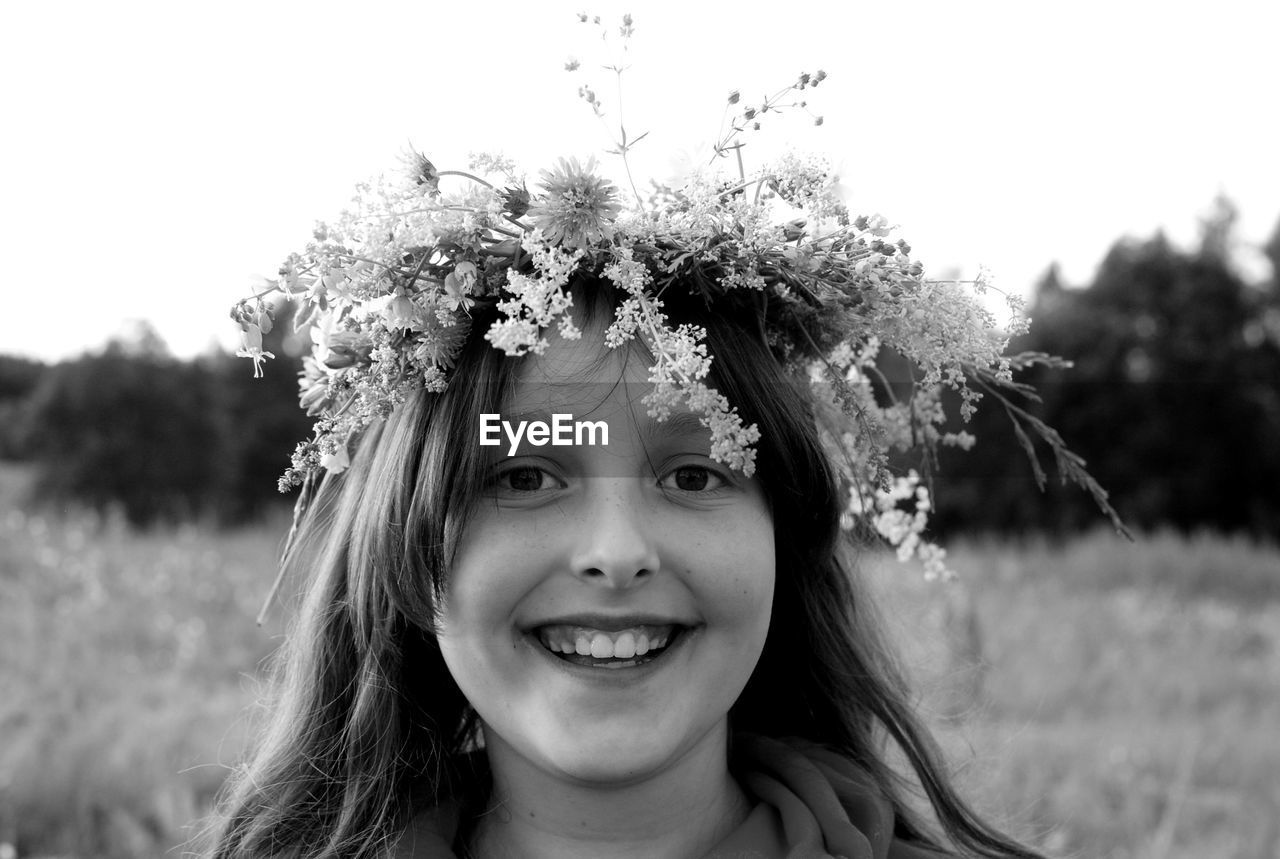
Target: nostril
<point>619,576</point>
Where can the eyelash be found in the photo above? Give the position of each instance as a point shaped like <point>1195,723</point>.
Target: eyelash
<point>712,477</point>
<point>717,480</point>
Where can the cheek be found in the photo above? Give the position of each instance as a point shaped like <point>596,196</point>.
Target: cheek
<point>494,568</point>
<point>739,577</point>
<point>479,648</point>
<point>485,586</point>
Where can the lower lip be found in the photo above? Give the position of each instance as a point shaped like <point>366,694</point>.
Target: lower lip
<point>608,676</point>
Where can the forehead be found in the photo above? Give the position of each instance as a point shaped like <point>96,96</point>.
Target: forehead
<point>582,375</point>
<point>586,358</point>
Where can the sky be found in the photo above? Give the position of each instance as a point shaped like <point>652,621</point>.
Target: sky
<point>159,156</point>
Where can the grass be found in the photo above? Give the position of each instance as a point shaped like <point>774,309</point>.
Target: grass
<point>127,659</point>
<point>1105,699</point>
<point>1109,699</point>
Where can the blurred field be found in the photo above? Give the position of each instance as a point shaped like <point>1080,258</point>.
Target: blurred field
<point>1106,699</point>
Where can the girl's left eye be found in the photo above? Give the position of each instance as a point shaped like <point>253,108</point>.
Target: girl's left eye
<point>693,478</point>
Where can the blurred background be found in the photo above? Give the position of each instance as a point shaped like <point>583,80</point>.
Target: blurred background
<point>1115,165</point>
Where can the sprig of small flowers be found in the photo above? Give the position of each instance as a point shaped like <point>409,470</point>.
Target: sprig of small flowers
<point>901,527</point>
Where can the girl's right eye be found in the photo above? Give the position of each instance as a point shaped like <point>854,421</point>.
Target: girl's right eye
<point>525,478</point>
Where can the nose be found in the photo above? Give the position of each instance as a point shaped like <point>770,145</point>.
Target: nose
<point>615,544</point>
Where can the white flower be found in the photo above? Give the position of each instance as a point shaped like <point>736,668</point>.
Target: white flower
<point>403,313</point>
<point>459,285</point>
<point>251,334</point>
<point>337,461</point>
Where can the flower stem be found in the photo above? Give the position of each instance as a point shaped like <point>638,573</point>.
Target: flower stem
<point>623,147</point>
<point>467,175</point>
<point>524,228</point>
<point>508,233</point>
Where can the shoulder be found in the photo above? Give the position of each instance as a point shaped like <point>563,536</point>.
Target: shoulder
<point>816,788</point>
<point>910,850</point>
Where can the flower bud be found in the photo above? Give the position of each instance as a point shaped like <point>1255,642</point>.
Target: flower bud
<point>517,200</point>
<point>424,173</point>
<point>340,357</point>
<point>346,350</point>
<point>734,95</point>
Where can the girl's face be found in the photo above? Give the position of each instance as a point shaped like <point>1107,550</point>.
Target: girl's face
<point>608,602</point>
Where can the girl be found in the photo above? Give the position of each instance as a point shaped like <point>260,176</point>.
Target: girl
<point>574,528</point>
<point>735,691</point>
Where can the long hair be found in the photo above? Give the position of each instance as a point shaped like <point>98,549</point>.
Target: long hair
<point>367,726</point>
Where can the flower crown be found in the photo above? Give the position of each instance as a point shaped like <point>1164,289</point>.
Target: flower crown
<point>390,291</point>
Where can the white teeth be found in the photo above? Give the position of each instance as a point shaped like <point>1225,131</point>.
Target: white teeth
<point>625,646</point>
<point>601,646</point>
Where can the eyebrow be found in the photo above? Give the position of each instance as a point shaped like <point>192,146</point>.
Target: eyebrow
<point>678,425</point>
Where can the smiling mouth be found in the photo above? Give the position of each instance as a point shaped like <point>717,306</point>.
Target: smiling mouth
<point>597,648</point>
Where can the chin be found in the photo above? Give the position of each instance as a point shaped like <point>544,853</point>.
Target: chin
<point>620,751</point>
<point>613,759</point>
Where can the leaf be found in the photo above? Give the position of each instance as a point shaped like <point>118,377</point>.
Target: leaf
<point>1070,465</point>
<point>1025,441</point>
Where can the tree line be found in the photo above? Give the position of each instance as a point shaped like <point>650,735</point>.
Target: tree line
<point>132,428</point>
<point>1173,400</point>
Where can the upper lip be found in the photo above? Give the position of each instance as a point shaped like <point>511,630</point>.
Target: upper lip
<point>611,622</point>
